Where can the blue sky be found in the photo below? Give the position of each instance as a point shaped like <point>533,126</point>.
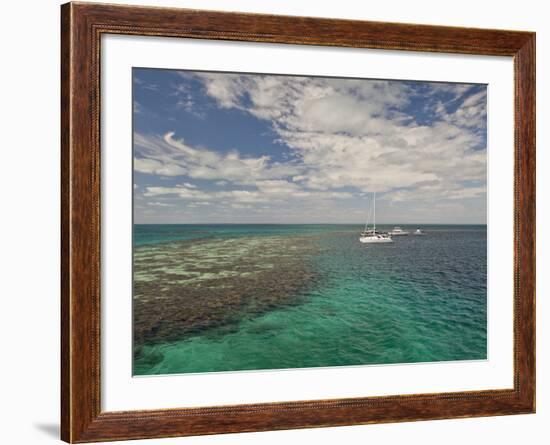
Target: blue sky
<point>251,148</point>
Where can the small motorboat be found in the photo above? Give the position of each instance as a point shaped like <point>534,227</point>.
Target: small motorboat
<point>398,231</point>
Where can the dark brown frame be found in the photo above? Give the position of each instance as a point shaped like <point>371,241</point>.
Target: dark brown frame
<point>82,25</point>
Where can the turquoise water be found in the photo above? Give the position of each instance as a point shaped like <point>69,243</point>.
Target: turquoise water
<point>145,234</point>
<point>418,299</point>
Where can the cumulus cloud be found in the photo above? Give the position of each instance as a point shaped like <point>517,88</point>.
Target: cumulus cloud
<point>169,156</point>
<point>350,132</point>
<point>347,137</point>
<point>260,192</point>
<point>160,204</point>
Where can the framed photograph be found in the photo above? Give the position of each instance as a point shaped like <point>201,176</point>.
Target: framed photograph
<point>274,222</point>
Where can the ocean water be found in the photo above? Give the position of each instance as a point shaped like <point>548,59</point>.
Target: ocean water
<point>248,297</point>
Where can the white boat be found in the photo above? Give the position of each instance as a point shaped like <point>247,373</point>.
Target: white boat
<point>371,235</point>
<point>418,232</point>
<point>398,231</point>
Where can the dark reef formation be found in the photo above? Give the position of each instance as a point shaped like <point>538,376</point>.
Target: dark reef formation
<point>186,287</point>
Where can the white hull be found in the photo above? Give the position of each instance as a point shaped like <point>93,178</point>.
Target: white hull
<point>374,239</point>
<point>371,236</point>
<point>398,231</point>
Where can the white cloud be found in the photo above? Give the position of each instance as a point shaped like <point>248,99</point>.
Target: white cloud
<point>152,166</point>
<point>471,113</point>
<point>169,156</point>
<point>260,192</point>
<point>352,132</point>
<point>347,137</point>
<point>160,204</point>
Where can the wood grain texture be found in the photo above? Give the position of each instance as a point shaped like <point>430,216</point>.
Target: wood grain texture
<point>81,28</point>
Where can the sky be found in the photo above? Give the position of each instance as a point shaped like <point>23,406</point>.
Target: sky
<point>213,147</point>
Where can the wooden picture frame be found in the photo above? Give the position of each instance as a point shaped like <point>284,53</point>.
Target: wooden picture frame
<point>82,25</point>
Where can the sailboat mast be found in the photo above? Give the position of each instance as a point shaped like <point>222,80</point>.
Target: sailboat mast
<point>374,212</point>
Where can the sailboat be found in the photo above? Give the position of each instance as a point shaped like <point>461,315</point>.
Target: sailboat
<point>371,235</point>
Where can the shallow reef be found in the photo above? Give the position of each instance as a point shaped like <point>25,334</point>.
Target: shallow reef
<point>187,287</point>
